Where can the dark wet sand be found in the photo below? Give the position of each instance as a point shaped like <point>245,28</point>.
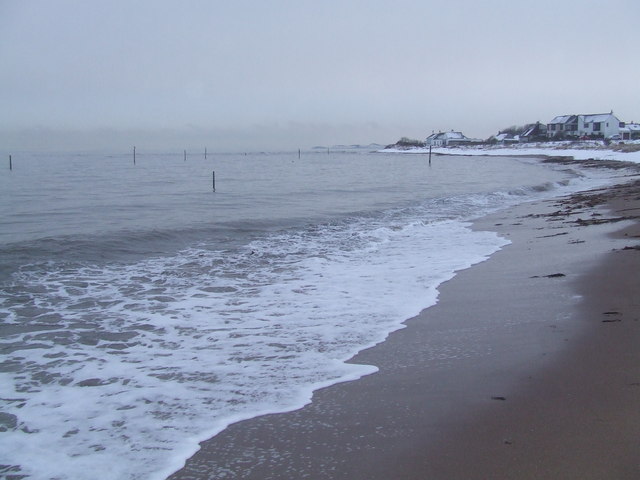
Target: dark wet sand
<point>527,368</point>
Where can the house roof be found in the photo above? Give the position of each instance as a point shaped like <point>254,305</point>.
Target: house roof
<point>597,117</point>
<point>502,137</point>
<point>591,117</point>
<point>451,135</point>
<point>447,136</point>
<point>534,129</point>
<point>563,119</point>
<point>454,135</point>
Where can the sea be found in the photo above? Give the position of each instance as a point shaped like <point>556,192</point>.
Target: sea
<point>146,306</point>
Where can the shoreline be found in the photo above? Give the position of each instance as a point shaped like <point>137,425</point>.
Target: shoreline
<point>578,150</point>
<point>459,389</point>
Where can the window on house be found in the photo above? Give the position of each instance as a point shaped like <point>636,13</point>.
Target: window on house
<point>596,127</point>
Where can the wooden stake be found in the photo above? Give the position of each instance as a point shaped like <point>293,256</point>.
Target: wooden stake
<point>10,163</point>
<point>429,154</point>
<point>134,155</point>
<point>214,181</point>
<point>185,155</point>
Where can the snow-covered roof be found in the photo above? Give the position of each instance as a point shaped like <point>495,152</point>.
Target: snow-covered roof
<point>453,135</point>
<point>450,135</point>
<point>501,137</point>
<point>588,118</point>
<point>530,131</point>
<point>562,118</point>
<point>447,136</point>
<point>596,117</point>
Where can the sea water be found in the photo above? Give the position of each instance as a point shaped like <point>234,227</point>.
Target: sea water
<point>142,312</point>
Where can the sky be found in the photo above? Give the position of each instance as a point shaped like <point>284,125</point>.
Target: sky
<point>286,74</point>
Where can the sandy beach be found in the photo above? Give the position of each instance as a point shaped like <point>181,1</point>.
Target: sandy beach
<point>528,367</point>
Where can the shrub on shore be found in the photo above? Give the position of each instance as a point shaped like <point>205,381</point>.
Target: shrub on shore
<point>406,142</point>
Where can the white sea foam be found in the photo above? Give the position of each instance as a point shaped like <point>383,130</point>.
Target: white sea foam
<point>177,348</point>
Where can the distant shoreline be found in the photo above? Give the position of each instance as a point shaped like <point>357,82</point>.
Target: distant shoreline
<point>579,150</point>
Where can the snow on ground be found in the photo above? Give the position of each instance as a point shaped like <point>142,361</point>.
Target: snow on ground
<point>579,150</point>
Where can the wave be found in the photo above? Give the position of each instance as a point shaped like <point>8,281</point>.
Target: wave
<point>126,246</point>
<point>178,346</point>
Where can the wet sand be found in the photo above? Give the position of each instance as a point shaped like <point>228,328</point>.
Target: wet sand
<point>528,367</point>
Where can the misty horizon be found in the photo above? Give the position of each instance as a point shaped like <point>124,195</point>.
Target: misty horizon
<point>285,75</point>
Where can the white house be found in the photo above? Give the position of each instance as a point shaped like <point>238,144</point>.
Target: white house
<point>631,131</point>
<point>598,125</point>
<point>605,124</point>
<point>444,139</point>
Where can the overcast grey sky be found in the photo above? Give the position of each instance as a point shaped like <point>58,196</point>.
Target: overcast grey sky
<point>251,74</point>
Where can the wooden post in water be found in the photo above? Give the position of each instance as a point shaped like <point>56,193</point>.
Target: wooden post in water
<point>185,155</point>
<point>298,153</point>
<point>429,154</point>
<point>214,181</point>
<point>10,163</point>
<point>134,155</point>
<point>205,153</point>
